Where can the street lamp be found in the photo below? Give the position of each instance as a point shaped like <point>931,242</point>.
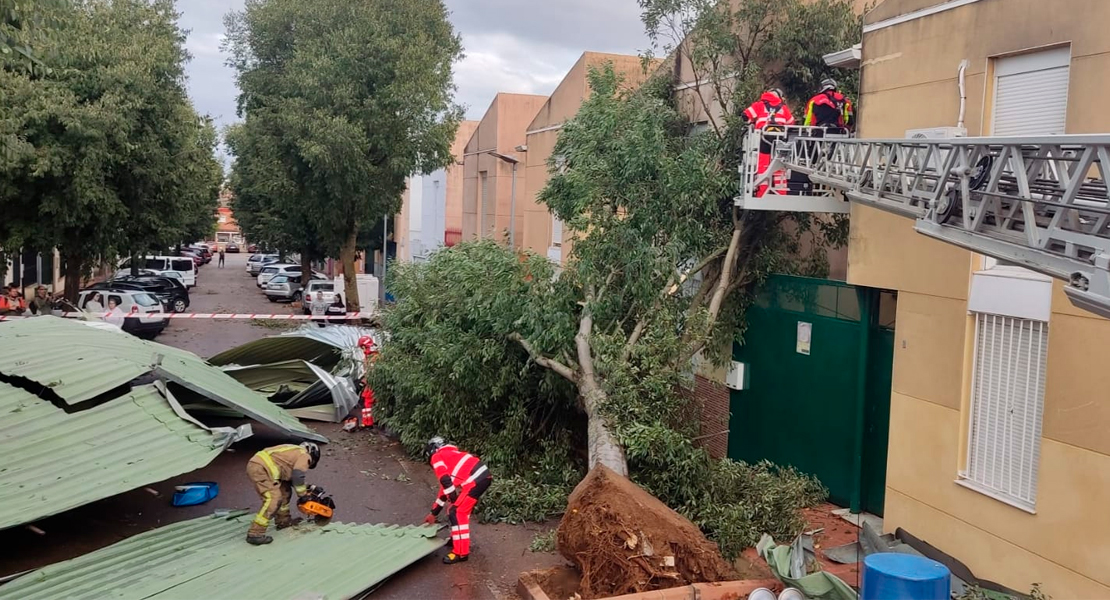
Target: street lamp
<point>514,161</point>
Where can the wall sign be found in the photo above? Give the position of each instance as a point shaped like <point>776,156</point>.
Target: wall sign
<point>805,334</point>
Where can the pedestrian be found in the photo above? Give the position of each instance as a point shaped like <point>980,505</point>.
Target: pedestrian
<point>114,314</point>
<point>462,480</point>
<point>94,305</point>
<point>769,111</point>
<point>276,473</point>
<point>12,303</point>
<point>220,263</point>
<point>41,304</point>
<point>830,108</point>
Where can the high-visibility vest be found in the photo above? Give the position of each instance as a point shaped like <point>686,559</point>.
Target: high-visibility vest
<point>834,100</point>
<point>768,110</point>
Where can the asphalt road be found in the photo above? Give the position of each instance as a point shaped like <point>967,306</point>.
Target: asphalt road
<point>369,477</point>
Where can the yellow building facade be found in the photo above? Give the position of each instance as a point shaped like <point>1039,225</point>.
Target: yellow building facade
<point>998,450</point>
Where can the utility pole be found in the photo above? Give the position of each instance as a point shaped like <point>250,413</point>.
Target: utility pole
<point>385,255</point>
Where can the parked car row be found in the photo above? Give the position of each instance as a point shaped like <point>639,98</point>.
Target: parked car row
<point>281,282</point>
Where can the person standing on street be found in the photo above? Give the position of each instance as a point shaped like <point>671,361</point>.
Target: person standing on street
<point>462,480</point>
<point>220,263</point>
<point>276,472</point>
<point>12,303</point>
<point>41,304</point>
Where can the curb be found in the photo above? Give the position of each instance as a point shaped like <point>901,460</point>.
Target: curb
<point>529,589</point>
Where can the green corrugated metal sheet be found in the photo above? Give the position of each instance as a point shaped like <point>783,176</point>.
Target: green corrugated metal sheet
<point>208,558</point>
<point>78,363</point>
<point>54,461</point>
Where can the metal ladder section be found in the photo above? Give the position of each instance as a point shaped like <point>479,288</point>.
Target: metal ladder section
<point>1038,202</point>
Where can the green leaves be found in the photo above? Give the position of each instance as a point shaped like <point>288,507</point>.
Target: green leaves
<point>342,101</point>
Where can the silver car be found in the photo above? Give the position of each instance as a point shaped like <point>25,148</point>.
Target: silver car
<point>257,261</point>
<point>282,288</point>
<point>318,296</point>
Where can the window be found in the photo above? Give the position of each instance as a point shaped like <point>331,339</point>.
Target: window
<point>1031,93</point>
<point>488,207</point>
<point>183,265</point>
<point>1007,405</point>
<point>556,231</point>
<point>144,300</point>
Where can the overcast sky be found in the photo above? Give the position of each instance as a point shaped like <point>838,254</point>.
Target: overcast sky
<point>523,46</point>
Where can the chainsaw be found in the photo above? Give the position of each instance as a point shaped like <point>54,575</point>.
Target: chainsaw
<point>317,505</point>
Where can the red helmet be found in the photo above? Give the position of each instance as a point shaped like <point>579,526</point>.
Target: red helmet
<point>366,343</point>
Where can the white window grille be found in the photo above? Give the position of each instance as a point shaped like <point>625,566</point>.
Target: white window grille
<point>1007,406</point>
<point>556,231</point>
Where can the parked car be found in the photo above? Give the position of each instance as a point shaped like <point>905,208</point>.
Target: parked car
<point>271,270</point>
<point>252,248</point>
<point>288,287</point>
<point>186,267</point>
<point>171,291</point>
<point>231,248</point>
<point>131,302</point>
<point>198,258</point>
<point>319,295</point>
<point>204,250</point>
<point>256,262</point>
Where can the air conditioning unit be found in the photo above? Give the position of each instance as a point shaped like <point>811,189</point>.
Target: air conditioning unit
<point>936,133</point>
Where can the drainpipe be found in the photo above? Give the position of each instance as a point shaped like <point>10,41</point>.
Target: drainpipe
<point>963,93</point>
<point>866,297</point>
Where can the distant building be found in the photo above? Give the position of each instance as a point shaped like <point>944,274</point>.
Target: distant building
<point>227,229</point>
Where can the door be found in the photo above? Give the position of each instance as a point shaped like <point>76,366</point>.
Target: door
<point>819,389</point>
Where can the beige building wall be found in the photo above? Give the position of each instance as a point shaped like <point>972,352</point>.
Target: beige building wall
<point>501,130</point>
<point>542,134</point>
<point>910,81</point>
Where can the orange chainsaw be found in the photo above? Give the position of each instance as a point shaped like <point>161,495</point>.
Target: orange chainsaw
<point>317,504</point>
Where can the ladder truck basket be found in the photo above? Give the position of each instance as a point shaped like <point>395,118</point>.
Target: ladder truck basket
<point>787,187</point>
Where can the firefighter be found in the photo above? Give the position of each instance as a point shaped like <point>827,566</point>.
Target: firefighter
<point>462,480</point>
<point>276,472</point>
<point>370,353</point>
<point>830,108</point>
<point>769,111</point>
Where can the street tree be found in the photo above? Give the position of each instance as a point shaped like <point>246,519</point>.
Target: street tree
<point>112,159</point>
<point>358,96</point>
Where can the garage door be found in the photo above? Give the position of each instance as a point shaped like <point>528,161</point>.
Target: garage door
<point>1031,93</point>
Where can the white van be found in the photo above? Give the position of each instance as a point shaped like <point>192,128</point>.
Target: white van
<point>181,264</point>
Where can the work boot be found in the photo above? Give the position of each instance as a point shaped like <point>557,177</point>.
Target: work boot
<point>258,539</point>
<point>282,523</point>
<point>453,558</point>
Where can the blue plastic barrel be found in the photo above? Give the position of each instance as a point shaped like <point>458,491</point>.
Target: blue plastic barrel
<point>891,576</point>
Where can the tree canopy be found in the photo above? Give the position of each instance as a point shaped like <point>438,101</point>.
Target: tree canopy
<point>352,98</point>
<point>110,157</point>
<point>662,269</point>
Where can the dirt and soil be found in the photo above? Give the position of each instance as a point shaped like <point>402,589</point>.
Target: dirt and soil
<point>370,478</point>
<point>624,540</point>
<point>559,583</point>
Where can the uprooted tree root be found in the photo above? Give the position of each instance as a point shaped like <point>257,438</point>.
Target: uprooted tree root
<point>623,540</point>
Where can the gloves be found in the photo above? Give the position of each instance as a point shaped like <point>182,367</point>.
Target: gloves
<point>430,519</point>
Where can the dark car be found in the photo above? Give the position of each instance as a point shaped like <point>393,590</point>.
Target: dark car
<point>231,248</point>
<point>205,253</point>
<point>171,292</point>
<point>198,258</point>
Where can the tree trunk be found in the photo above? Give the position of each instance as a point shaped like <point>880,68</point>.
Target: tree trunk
<point>603,445</point>
<point>72,276</point>
<point>306,267</point>
<point>350,276</point>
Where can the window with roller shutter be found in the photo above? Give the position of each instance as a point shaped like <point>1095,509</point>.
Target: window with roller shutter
<point>1007,406</point>
<point>1031,93</point>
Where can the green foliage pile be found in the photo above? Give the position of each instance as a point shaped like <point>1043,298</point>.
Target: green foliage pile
<point>543,542</point>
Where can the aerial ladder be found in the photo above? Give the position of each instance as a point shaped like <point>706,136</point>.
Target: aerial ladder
<point>1036,202</point>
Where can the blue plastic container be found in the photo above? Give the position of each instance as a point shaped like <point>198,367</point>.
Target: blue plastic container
<point>891,576</point>
<point>192,494</point>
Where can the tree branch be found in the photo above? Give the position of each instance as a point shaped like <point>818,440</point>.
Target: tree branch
<point>541,360</point>
<point>695,270</point>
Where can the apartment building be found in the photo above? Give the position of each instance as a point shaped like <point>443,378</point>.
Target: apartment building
<point>1000,400</point>
<point>543,233</point>
<point>493,169</point>
<point>431,205</point>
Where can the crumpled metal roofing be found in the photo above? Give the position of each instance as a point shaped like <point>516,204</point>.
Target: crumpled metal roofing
<point>322,346</point>
<point>54,461</point>
<point>79,363</point>
<point>208,557</point>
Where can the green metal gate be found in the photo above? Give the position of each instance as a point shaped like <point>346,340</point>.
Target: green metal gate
<point>819,355</point>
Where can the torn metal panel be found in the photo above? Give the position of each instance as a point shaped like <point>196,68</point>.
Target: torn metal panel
<point>78,363</point>
<point>202,379</point>
<point>55,461</point>
<point>191,559</point>
<point>334,348</point>
<point>294,374</point>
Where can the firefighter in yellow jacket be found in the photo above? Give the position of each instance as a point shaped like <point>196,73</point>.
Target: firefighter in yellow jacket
<point>277,472</point>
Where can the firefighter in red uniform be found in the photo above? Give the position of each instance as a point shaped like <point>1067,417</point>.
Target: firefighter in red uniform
<point>830,108</point>
<point>769,110</point>
<point>462,481</point>
<point>370,353</point>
